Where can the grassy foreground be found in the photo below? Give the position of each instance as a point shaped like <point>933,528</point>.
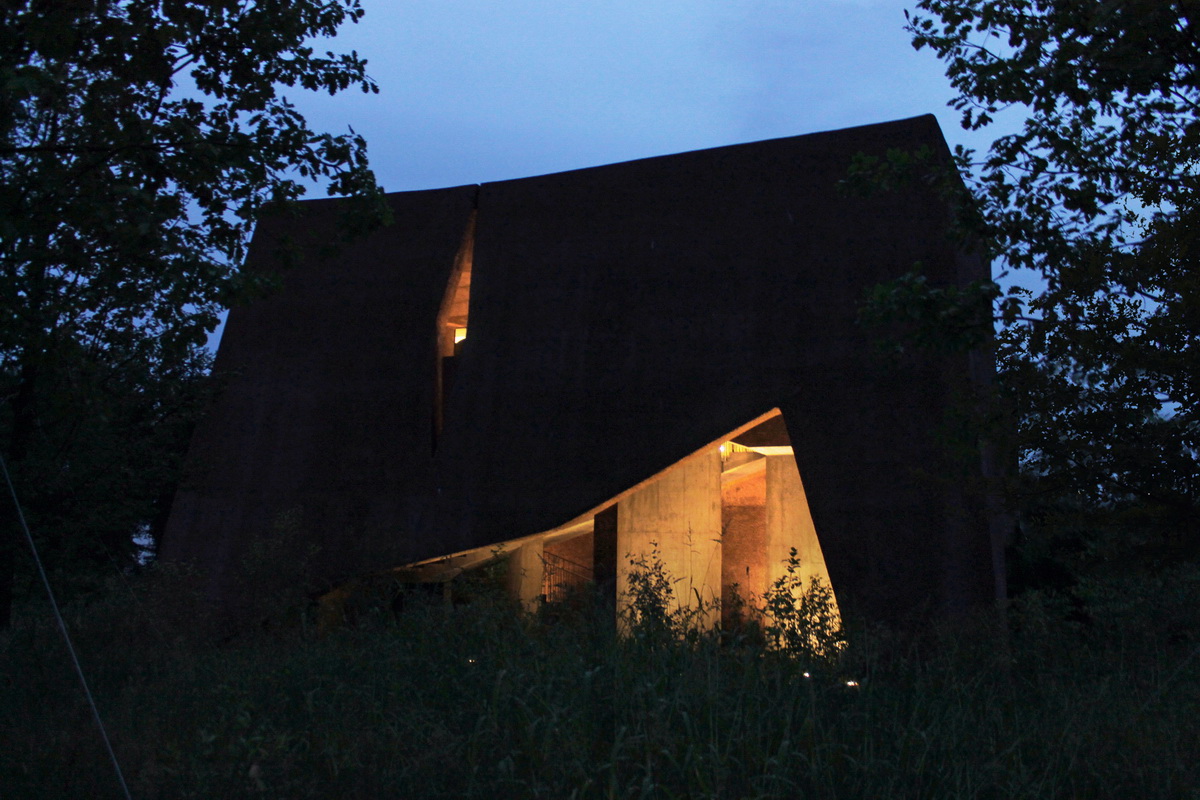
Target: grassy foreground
<point>475,700</point>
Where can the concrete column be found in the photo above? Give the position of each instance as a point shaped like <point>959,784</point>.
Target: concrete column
<point>525,572</point>
<point>681,512</point>
<point>789,523</point>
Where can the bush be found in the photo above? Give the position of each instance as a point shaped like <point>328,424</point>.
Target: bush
<point>803,619</point>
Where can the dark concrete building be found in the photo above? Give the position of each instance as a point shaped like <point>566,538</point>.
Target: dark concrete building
<point>576,365</point>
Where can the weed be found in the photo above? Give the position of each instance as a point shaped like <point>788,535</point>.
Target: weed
<point>802,617</point>
<point>478,701</point>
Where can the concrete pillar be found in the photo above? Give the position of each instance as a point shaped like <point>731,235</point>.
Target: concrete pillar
<point>681,512</point>
<point>789,524</point>
<point>525,572</point>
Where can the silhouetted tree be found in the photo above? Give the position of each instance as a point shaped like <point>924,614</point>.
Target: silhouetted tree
<point>1096,201</point>
<point>139,142</point>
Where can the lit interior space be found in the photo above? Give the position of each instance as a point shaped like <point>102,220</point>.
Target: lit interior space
<point>723,520</point>
<point>452,315</point>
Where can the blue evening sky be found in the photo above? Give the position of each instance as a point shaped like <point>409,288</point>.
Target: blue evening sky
<point>472,91</point>
<point>481,90</point>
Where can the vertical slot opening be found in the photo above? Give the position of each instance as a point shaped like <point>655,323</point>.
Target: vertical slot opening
<point>451,333</point>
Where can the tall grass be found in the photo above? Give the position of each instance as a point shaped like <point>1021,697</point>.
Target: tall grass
<point>478,700</point>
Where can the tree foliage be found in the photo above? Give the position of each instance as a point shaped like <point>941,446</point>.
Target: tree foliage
<point>139,142</point>
<point>1096,196</point>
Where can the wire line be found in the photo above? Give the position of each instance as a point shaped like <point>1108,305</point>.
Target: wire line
<point>62,626</point>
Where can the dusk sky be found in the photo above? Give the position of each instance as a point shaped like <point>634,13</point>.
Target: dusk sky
<point>472,91</point>
<point>478,90</point>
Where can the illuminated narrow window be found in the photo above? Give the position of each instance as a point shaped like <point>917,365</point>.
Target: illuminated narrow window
<point>452,325</point>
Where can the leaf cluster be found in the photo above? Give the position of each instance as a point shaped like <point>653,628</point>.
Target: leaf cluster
<point>803,617</point>
<point>140,140</point>
<point>1090,209</point>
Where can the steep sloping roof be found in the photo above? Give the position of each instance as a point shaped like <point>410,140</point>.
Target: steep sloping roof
<point>324,415</point>
<point>620,318</point>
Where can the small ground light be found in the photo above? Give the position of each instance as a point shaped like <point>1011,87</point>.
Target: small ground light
<point>807,675</point>
<point>852,683</point>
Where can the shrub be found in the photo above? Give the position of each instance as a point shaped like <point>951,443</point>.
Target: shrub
<point>803,619</point>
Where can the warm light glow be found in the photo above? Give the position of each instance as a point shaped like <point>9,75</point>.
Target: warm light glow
<point>769,450</point>
<point>459,334</point>
<point>852,683</point>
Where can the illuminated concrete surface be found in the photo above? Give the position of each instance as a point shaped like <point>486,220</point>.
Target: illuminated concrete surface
<point>679,514</point>
<point>789,525</point>
<point>744,542</point>
<point>523,577</point>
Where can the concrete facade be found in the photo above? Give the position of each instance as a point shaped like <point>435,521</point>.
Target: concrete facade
<point>679,516</point>
<point>521,361</point>
<point>525,574</point>
<point>789,524</point>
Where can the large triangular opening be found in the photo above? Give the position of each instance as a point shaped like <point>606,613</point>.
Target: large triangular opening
<point>724,521</point>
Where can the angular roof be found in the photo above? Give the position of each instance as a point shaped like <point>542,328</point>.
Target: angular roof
<point>620,318</point>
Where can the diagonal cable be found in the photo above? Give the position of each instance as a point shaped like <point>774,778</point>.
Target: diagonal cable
<point>62,626</point>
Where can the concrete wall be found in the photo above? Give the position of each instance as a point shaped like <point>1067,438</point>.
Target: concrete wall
<point>523,577</point>
<point>743,545</point>
<point>679,515</point>
<point>789,525</point>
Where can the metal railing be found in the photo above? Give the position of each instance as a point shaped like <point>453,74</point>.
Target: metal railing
<point>562,577</point>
